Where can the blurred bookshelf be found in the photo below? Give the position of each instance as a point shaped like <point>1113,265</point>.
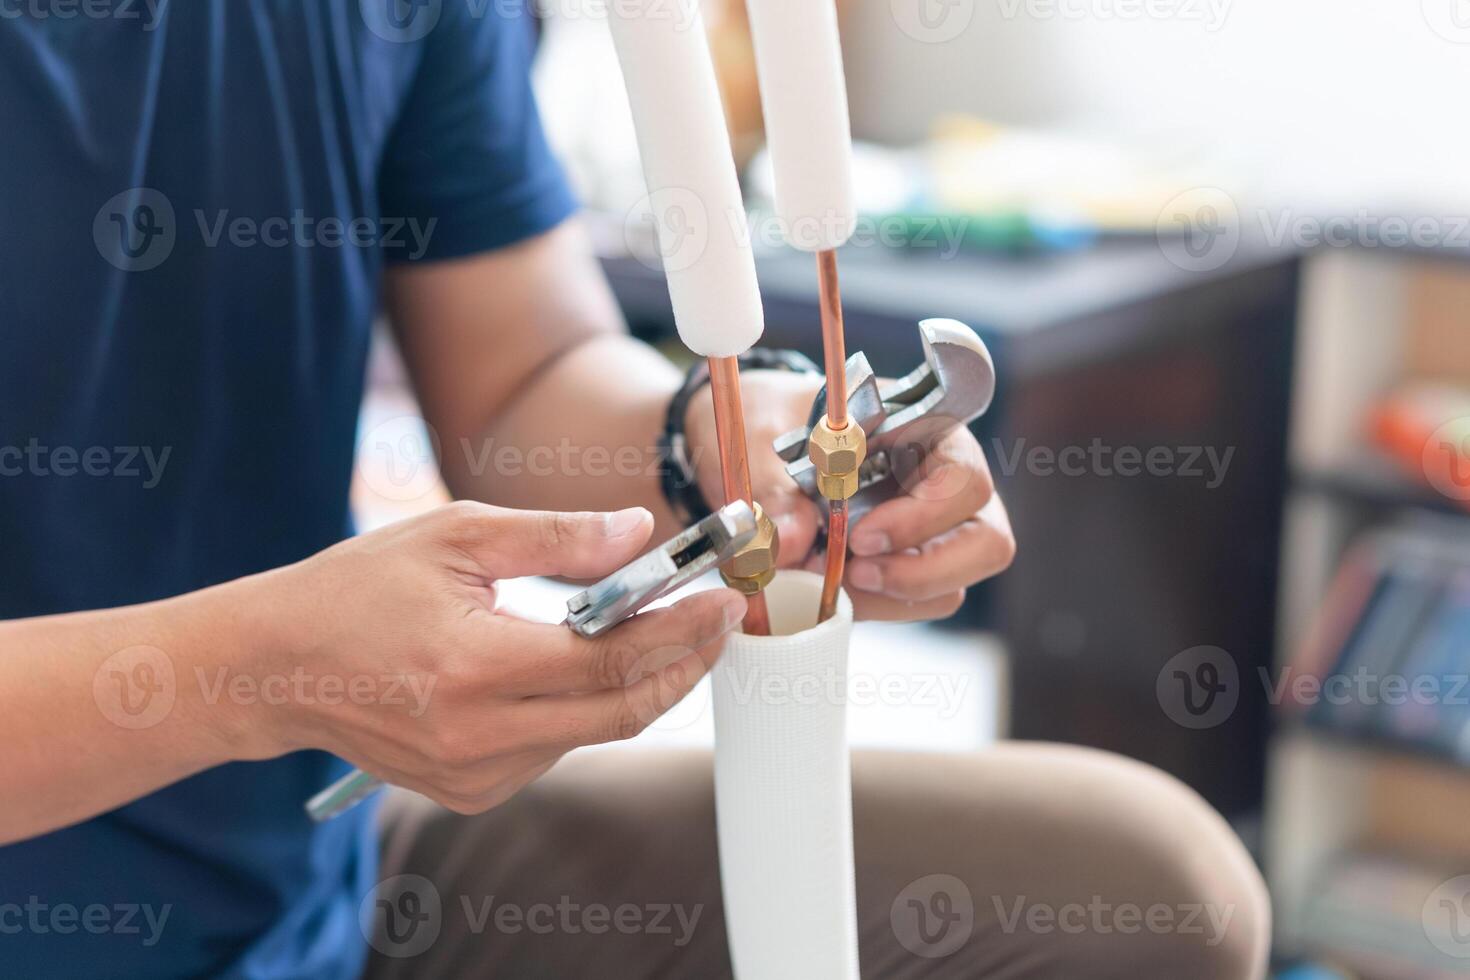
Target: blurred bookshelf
<point>1373,482</point>
<point>1366,801</point>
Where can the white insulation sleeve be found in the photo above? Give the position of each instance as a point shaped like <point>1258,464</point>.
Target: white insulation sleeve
<point>687,164</point>
<point>798,57</point>
<point>783,791</point>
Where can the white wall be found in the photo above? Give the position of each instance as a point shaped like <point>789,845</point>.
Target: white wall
<point>1342,98</point>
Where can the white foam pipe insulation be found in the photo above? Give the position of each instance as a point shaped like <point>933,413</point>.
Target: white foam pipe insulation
<point>694,193</point>
<point>783,791</point>
<point>782,780</point>
<point>798,58</point>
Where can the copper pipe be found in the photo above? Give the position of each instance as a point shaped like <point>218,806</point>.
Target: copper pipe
<point>724,381</point>
<point>834,344</point>
<point>834,352</point>
<point>836,560</point>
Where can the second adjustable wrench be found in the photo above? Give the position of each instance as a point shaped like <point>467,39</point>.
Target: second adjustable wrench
<point>903,419</point>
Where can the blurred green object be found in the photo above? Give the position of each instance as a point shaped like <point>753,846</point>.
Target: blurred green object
<point>1013,231</point>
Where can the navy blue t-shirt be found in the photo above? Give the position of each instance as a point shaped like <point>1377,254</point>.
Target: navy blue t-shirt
<point>197,200</point>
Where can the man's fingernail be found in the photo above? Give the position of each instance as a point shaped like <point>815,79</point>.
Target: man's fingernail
<point>866,576</point>
<point>734,610</point>
<point>624,522</point>
<point>868,543</point>
<point>785,523</point>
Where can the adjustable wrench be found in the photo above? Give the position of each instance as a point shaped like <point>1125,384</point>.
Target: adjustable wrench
<point>597,609</point>
<point>902,419</point>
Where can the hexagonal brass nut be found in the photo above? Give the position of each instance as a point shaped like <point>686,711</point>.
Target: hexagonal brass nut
<point>754,566</point>
<point>754,585</point>
<point>837,487</point>
<point>837,455</point>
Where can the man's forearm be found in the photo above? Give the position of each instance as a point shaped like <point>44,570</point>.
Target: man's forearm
<point>582,435</point>
<point>100,708</point>
<point>537,394</point>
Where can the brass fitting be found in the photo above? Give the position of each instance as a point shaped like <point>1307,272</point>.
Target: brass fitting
<point>838,455</point>
<point>753,566</point>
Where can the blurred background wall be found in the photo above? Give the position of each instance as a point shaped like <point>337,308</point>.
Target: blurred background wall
<point>1331,96</point>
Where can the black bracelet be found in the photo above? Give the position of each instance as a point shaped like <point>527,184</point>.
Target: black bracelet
<point>676,474</point>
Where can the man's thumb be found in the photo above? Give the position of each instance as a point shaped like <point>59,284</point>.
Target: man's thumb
<point>514,543</point>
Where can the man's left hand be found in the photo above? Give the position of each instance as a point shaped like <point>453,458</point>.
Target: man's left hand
<point>912,557</point>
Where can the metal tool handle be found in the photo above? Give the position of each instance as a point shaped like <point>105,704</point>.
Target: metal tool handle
<point>342,795</point>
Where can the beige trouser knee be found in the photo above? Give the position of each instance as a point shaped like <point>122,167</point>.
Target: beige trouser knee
<point>1022,861</point>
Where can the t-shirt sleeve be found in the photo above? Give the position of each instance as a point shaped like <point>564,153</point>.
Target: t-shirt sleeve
<point>468,152</point>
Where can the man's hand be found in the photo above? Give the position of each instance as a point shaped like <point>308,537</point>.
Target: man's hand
<point>509,697</point>
<point>912,557</point>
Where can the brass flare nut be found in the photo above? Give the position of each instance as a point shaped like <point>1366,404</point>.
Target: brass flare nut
<point>753,566</point>
<point>838,455</point>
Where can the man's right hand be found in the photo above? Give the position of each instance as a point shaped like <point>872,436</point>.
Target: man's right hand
<point>506,698</point>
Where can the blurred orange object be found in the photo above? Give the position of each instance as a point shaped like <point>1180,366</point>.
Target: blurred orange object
<point>1426,427</point>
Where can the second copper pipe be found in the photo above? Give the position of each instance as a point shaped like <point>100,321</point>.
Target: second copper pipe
<point>834,351</point>
<point>724,380</point>
<point>834,342</point>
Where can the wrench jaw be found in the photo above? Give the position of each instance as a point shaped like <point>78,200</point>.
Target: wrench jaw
<point>961,362</point>
<point>864,403</point>
<point>903,419</point>
<point>671,565</point>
